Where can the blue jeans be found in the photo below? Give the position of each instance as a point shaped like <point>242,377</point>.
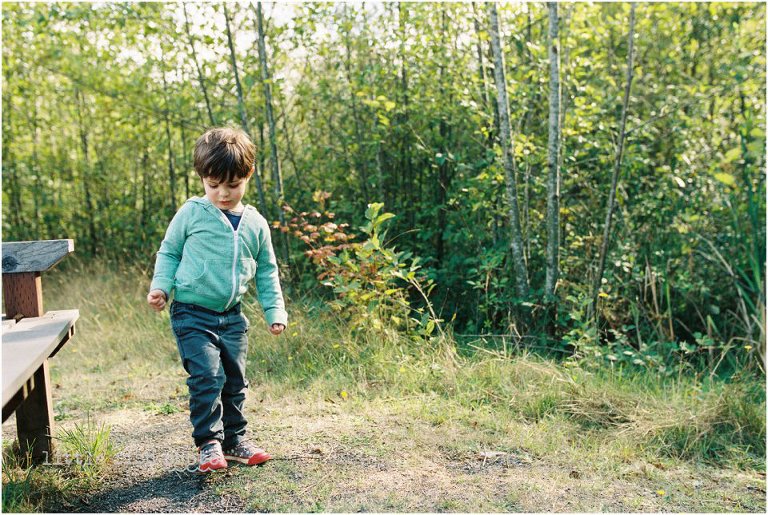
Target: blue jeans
<point>213,348</point>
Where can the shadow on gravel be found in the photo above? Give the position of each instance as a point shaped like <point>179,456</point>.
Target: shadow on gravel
<point>171,492</point>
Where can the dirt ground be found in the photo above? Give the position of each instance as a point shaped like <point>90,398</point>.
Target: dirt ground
<point>341,457</point>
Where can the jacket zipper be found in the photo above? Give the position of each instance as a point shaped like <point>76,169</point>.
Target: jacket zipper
<point>234,268</point>
<point>226,221</point>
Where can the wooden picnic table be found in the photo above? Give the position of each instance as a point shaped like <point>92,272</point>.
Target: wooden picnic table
<point>30,336</point>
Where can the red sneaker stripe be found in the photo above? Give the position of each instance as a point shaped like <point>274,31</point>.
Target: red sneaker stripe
<point>256,459</point>
<point>213,465</point>
<point>259,458</point>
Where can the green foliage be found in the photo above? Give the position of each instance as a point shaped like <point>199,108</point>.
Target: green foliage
<point>395,102</point>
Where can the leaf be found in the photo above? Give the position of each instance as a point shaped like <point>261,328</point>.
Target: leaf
<point>373,210</point>
<point>726,178</point>
<point>732,154</point>
<point>755,147</point>
<point>383,218</point>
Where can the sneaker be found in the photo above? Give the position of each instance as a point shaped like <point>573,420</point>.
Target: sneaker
<point>211,457</point>
<point>247,453</point>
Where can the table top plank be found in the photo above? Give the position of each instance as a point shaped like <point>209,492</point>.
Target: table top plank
<point>28,343</point>
<point>34,256</point>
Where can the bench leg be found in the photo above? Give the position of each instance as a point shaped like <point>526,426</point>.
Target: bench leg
<point>34,418</point>
<point>23,294</point>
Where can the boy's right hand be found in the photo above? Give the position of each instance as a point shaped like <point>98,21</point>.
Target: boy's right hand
<point>156,299</point>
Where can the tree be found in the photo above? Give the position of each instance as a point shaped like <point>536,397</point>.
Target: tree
<point>200,77</point>
<point>553,181</point>
<point>553,153</point>
<point>616,165</point>
<point>274,158</point>
<point>240,101</point>
<point>507,152</point>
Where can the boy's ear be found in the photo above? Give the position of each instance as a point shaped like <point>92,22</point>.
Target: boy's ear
<point>250,174</point>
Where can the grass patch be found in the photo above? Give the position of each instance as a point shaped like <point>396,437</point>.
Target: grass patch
<point>83,455</point>
<point>165,408</point>
<point>87,447</point>
<point>725,428</point>
<point>18,487</point>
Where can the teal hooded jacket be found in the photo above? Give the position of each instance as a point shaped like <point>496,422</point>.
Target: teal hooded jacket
<point>204,261</point>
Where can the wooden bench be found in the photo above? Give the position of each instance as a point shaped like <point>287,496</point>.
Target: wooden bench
<point>30,337</point>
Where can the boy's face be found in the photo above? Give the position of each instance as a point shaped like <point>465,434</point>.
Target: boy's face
<point>225,194</point>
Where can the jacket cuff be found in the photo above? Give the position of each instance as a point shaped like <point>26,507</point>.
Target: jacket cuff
<point>276,316</point>
<point>164,285</point>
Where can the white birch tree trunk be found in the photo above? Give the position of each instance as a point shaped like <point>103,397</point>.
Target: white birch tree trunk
<point>516,244</point>
<point>553,151</point>
<point>276,175</point>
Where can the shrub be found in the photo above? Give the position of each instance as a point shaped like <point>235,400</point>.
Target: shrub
<point>373,283</point>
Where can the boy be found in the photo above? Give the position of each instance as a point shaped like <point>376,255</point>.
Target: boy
<point>213,248</point>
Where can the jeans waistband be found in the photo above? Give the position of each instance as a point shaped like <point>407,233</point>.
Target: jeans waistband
<point>195,307</point>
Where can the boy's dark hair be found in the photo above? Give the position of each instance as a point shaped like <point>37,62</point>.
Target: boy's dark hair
<point>224,154</point>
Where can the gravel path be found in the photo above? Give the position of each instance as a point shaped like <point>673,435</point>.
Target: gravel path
<point>373,458</point>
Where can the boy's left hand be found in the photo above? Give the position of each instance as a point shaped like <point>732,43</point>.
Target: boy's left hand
<point>276,328</point>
